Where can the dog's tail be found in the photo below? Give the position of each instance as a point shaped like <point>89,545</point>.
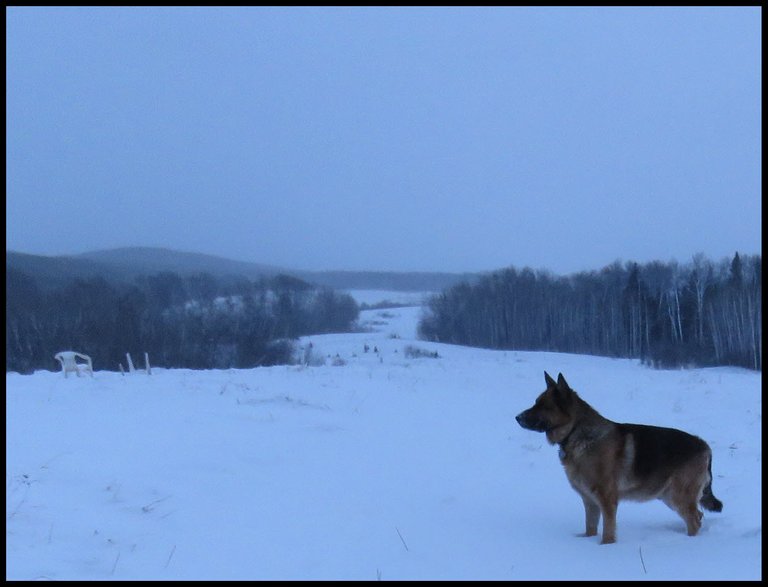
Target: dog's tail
<point>708,499</point>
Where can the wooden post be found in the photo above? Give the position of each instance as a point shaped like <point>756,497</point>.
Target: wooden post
<point>130,363</point>
<point>122,371</point>
<point>146,363</point>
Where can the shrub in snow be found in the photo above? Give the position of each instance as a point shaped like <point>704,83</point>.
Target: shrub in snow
<point>413,352</point>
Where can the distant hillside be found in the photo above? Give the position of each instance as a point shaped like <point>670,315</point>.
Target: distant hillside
<point>143,260</point>
<point>128,263</point>
<point>56,271</point>
<point>124,264</point>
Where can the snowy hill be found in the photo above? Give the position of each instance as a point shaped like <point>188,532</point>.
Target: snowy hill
<point>371,465</point>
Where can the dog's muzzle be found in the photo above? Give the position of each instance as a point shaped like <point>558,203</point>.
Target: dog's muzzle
<point>531,422</point>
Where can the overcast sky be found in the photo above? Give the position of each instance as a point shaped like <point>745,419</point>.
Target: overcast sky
<point>438,139</point>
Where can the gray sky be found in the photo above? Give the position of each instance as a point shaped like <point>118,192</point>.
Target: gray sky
<point>439,139</point>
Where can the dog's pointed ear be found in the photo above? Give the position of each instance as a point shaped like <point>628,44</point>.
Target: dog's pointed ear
<point>562,383</point>
<point>549,381</point>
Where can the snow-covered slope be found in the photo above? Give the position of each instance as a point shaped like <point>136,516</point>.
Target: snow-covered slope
<point>372,465</point>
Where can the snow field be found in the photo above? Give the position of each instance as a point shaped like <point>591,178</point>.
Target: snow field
<point>384,467</point>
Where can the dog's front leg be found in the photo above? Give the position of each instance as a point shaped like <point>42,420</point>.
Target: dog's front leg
<point>592,515</point>
<point>609,502</point>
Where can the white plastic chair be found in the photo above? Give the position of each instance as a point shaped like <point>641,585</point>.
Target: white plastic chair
<point>69,363</point>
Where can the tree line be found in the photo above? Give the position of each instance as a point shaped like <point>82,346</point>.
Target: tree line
<point>195,322</point>
<point>700,313</point>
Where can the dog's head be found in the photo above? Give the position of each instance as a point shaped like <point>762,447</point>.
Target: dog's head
<point>552,410</point>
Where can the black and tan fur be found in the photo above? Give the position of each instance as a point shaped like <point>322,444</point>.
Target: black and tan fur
<point>606,461</point>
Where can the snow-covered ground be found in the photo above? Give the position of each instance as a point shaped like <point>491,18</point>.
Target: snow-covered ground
<point>381,467</point>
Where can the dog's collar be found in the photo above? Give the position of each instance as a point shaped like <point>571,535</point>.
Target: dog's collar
<point>561,448</point>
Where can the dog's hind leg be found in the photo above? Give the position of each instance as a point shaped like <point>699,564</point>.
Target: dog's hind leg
<point>685,490</point>
<point>692,517</point>
<point>689,512</point>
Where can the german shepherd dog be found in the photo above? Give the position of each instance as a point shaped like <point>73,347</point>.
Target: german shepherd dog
<point>606,461</point>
